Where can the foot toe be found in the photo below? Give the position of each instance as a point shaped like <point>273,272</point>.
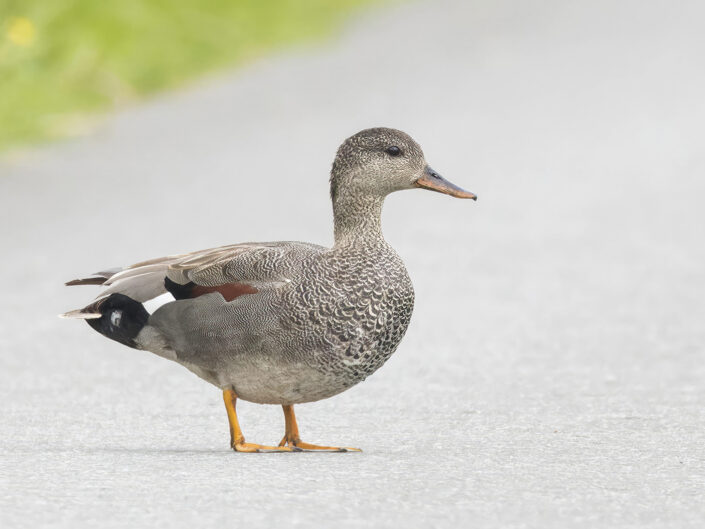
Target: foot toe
<point>308,447</point>
<point>257,448</point>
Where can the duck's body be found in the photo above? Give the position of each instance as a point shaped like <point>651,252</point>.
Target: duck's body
<point>286,322</point>
<point>317,321</point>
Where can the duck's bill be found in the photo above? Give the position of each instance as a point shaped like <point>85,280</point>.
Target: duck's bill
<point>435,182</point>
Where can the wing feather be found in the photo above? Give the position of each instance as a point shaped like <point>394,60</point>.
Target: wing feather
<point>262,264</point>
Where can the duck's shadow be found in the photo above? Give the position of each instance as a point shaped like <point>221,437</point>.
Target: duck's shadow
<point>118,450</point>
<point>115,450</point>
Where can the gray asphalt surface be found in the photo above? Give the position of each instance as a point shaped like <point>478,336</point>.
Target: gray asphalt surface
<point>553,372</point>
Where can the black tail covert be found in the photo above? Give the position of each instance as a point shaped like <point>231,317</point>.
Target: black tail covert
<point>122,318</point>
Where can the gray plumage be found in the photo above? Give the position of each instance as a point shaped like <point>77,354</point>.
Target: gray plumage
<point>305,322</point>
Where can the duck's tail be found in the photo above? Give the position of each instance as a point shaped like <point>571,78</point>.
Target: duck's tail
<point>117,317</point>
<point>140,282</point>
<point>118,312</point>
<point>91,311</point>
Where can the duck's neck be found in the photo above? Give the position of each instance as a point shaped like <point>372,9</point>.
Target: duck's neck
<point>357,219</point>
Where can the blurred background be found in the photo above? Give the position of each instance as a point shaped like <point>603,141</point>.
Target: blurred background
<point>64,62</point>
<point>553,372</point>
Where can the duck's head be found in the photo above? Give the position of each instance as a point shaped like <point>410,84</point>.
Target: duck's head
<point>376,162</point>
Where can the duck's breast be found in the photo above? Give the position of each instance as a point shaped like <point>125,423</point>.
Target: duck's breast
<point>352,313</point>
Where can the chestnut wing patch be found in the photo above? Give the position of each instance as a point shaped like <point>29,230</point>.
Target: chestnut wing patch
<point>190,290</point>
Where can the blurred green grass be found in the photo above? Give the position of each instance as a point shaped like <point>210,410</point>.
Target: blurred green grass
<point>62,61</point>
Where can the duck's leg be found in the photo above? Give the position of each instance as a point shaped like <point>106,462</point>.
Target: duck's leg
<point>292,439</point>
<point>237,440</point>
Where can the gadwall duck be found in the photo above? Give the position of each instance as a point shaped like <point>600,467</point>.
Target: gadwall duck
<point>282,322</point>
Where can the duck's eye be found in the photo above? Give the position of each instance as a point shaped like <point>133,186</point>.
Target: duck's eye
<point>393,150</point>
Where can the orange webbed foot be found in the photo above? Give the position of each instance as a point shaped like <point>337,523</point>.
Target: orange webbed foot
<point>292,440</point>
<point>250,448</point>
<point>308,447</point>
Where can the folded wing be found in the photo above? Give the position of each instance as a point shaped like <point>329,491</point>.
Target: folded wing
<point>232,271</point>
